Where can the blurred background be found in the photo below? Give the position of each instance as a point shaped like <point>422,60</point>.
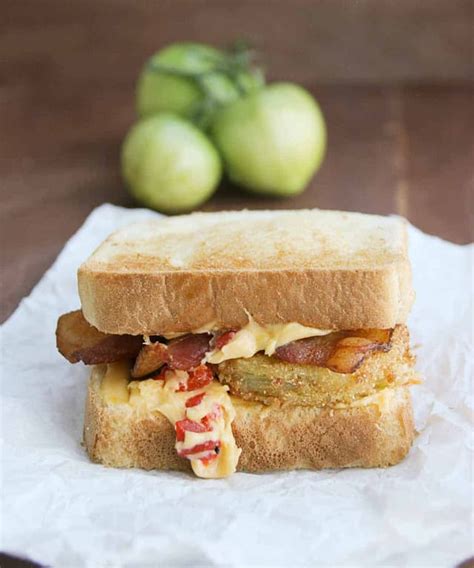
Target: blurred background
<point>394,79</point>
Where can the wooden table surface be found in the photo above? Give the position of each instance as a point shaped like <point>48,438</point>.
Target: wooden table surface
<point>395,147</point>
<point>394,80</point>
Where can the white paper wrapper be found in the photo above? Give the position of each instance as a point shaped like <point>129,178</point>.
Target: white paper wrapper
<point>61,510</point>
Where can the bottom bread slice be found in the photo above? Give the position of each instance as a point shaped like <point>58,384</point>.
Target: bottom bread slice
<point>375,432</point>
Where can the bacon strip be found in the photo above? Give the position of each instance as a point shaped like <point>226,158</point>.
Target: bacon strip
<point>77,340</point>
<point>188,351</point>
<point>342,351</point>
<point>183,353</point>
<point>151,358</point>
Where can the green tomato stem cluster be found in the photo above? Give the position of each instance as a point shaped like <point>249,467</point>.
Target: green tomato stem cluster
<point>214,77</point>
<point>231,63</point>
<point>204,109</point>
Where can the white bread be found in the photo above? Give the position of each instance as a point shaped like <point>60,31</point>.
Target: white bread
<point>325,269</point>
<point>375,433</point>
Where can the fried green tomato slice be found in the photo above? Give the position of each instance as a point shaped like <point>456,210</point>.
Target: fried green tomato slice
<point>268,380</point>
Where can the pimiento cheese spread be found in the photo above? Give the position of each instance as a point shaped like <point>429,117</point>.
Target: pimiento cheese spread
<point>198,406</point>
<point>253,338</point>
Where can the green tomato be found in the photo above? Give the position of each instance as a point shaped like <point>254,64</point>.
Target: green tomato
<point>168,81</point>
<point>169,164</point>
<point>272,141</point>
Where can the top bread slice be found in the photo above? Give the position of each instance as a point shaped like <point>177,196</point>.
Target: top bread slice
<point>324,269</point>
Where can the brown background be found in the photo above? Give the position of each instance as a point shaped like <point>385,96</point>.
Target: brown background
<point>394,79</point>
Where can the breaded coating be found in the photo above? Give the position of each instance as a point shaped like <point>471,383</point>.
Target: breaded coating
<point>268,380</point>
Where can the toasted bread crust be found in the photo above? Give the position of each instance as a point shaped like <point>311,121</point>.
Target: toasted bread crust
<point>153,304</point>
<point>378,434</point>
<point>325,269</point>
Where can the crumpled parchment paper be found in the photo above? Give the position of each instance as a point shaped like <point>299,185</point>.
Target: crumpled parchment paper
<point>61,510</point>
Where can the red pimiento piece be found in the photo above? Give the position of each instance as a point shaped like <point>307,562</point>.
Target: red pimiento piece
<point>210,446</point>
<point>199,377</point>
<point>195,400</point>
<point>212,416</point>
<point>179,433</point>
<point>207,460</point>
<point>186,425</point>
<point>224,338</point>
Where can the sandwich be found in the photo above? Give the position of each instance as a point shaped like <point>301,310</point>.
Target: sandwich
<point>246,341</point>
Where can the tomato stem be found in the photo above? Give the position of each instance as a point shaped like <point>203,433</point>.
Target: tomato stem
<point>234,63</point>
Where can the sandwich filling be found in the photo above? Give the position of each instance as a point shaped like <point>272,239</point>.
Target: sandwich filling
<point>201,412</point>
<point>189,378</point>
<point>198,407</point>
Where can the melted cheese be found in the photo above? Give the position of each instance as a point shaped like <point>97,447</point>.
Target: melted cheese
<point>151,396</point>
<point>254,338</point>
<point>114,386</point>
<point>161,396</point>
